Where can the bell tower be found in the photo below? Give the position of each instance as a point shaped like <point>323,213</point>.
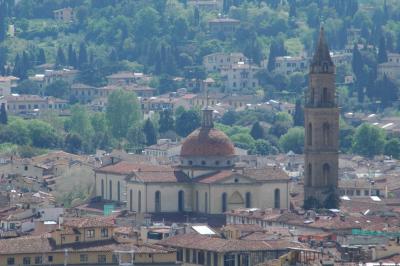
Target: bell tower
<point>321,123</point>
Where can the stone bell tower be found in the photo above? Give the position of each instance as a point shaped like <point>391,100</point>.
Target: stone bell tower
<point>321,123</point>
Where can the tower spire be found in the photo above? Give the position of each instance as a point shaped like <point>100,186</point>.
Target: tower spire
<point>322,61</point>
<point>207,119</point>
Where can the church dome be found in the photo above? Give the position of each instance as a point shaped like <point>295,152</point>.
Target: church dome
<point>207,142</point>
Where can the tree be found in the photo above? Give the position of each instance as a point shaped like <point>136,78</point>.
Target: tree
<point>187,122</point>
<point>27,87</point>
<point>3,114</point>
<point>80,124</point>
<point>60,59</point>
<point>369,140</point>
<point>15,132</point>
<point>136,137</point>
<point>123,110</point>
<point>257,132</point>
<point>73,143</point>
<point>229,118</point>
<point>392,148</point>
<point>166,121</point>
<point>332,201</point>
<point>42,134</point>
<point>282,122</point>
<point>72,60</point>
<point>298,117</point>
<point>41,57</point>
<point>382,52</point>
<point>150,133</point>
<point>293,140</point>
<point>82,57</point>
<point>262,147</point>
<point>58,89</point>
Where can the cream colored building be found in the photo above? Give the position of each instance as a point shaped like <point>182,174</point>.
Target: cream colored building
<point>217,61</point>
<point>64,14</point>
<point>205,181</point>
<point>240,77</point>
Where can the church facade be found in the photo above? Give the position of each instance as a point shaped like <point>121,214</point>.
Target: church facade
<point>321,123</point>
<point>207,179</point>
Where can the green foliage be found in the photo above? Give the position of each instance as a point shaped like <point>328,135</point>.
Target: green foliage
<point>229,118</point>
<point>3,114</point>
<point>187,122</point>
<point>136,137</point>
<point>81,125</point>
<point>43,135</point>
<point>123,110</point>
<point>262,147</point>
<point>257,132</point>
<point>58,89</point>
<point>166,121</point>
<point>369,140</point>
<point>392,148</point>
<point>293,140</point>
<point>73,143</point>
<point>150,133</point>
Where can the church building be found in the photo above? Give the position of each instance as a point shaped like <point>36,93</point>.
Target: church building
<point>207,180</point>
<point>321,122</point>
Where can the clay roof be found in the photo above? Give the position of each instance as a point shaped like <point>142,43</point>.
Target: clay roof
<point>124,168</point>
<point>87,222</point>
<point>201,242</point>
<point>207,142</point>
<point>266,173</point>
<point>162,176</point>
<point>25,245</point>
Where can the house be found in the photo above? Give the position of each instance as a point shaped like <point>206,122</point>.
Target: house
<point>66,75</point>
<point>157,104</point>
<point>83,93</point>
<point>38,79</point>
<point>6,84</point>
<point>223,27</point>
<point>217,61</point>
<point>163,148</point>
<point>287,65</point>
<point>362,187</point>
<point>391,68</point>
<point>66,15</point>
<point>25,104</point>
<point>127,78</point>
<point>240,77</point>
<point>79,241</point>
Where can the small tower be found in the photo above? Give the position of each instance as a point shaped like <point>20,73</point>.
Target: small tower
<point>321,123</point>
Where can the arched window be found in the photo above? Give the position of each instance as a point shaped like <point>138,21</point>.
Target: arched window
<point>102,188</point>
<point>325,133</point>
<point>312,96</point>
<point>139,201</point>
<point>119,191</point>
<point>157,201</point>
<point>181,201</point>
<point>308,181</point>
<point>110,189</point>
<point>131,200</point>
<point>325,96</point>
<point>309,134</point>
<point>325,67</point>
<point>197,201</point>
<point>277,199</point>
<point>325,173</point>
<point>248,200</point>
<point>206,202</point>
<point>224,205</point>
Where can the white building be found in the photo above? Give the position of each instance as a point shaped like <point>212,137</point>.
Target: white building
<point>289,64</point>
<point>390,69</point>
<point>6,83</point>
<point>240,77</point>
<point>217,61</point>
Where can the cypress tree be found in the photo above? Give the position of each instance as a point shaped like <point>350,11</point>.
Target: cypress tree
<point>298,117</point>
<point>150,133</point>
<point>382,52</point>
<point>60,59</point>
<point>71,56</point>
<point>82,57</point>
<point>41,58</point>
<point>257,132</point>
<point>3,114</point>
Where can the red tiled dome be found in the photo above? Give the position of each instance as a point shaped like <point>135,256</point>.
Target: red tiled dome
<point>207,142</point>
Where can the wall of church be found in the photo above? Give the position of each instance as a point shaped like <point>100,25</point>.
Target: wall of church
<point>107,186</point>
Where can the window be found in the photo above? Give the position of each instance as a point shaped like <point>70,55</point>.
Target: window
<point>190,162</point>
<point>157,201</point>
<point>90,233</point>
<point>110,182</point>
<point>206,202</point>
<point>130,200</point>
<point>229,260</point>
<point>104,232</point>
<point>114,259</point>
<point>200,257</point>
<point>179,254</point>
<point>77,239</point>
<point>38,260</point>
<point>358,192</point>
<point>203,162</point>
<point>10,261</point>
<point>216,162</point>
<point>366,192</point>
<point>83,258</point>
<point>325,96</point>
<point>248,200</point>
<point>325,173</point>
<point>50,259</point>
<point>194,257</point>
<point>309,174</point>
<point>26,261</point>
<point>309,134</point>
<point>181,201</point>
<point>325,133</point>
<point>277,198</point>
<point>102,259</point>
<point>139,201</point>
<point>208,258</point>
<point>187,255</point>
<point>102,188</point>
<point>215,258</point>
<point>224,207</point>
<point>118,191</point>
<point>26,168</point>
